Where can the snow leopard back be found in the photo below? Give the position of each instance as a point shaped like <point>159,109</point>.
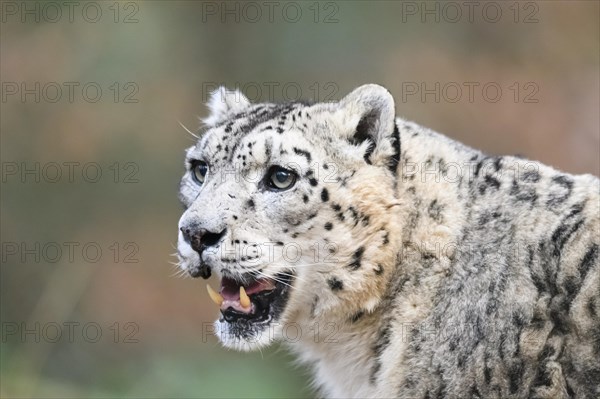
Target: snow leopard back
<point>517,312</point>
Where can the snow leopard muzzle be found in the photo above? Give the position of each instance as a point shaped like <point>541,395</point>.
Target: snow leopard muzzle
<point>200,240</point>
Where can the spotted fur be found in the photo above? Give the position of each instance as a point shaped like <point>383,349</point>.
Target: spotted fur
<point>443,272</point>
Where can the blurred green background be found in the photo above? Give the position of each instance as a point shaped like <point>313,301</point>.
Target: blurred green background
<point>154,63</point>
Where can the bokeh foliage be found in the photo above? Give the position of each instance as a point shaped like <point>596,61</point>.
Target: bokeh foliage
<point>174,54</point>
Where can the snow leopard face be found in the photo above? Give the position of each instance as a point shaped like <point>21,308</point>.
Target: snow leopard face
<point>288,204</point>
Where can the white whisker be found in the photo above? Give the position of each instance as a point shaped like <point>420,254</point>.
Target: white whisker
<point>188,130</point>
<point>257,272</point>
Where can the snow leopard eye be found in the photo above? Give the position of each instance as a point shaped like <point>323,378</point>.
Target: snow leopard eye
<point>199,170</point>
<point>279,179</point>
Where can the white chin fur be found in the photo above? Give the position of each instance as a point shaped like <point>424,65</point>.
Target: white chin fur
<point>263,338</point>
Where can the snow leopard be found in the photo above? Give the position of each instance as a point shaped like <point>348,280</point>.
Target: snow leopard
<point>393,261</point>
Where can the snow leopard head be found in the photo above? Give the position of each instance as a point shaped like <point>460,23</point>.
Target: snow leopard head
<point>288,204</point>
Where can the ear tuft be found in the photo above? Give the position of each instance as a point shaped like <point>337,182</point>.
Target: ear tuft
<point>369,112</point>
<point>224,103</point>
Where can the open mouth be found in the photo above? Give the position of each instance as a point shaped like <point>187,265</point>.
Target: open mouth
<point>253,300</point>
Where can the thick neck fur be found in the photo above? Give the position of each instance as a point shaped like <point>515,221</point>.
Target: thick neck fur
<point>345,349</point>
<point>473,239</point>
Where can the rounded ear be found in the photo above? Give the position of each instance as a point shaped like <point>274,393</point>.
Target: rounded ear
<point>224,103</point>
<point>368,115</point>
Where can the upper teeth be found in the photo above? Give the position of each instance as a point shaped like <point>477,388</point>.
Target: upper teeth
<point>215,296</point>
<point>244,299</point>
<point>218,298</point>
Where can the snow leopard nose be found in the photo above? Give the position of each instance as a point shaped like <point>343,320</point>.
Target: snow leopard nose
<point>200,239</point>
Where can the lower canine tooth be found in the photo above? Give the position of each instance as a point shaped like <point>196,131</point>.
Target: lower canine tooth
<point>244,299</point>
<point>215,296</point>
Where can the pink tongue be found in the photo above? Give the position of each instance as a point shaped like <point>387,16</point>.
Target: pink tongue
<point>230,289</point>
